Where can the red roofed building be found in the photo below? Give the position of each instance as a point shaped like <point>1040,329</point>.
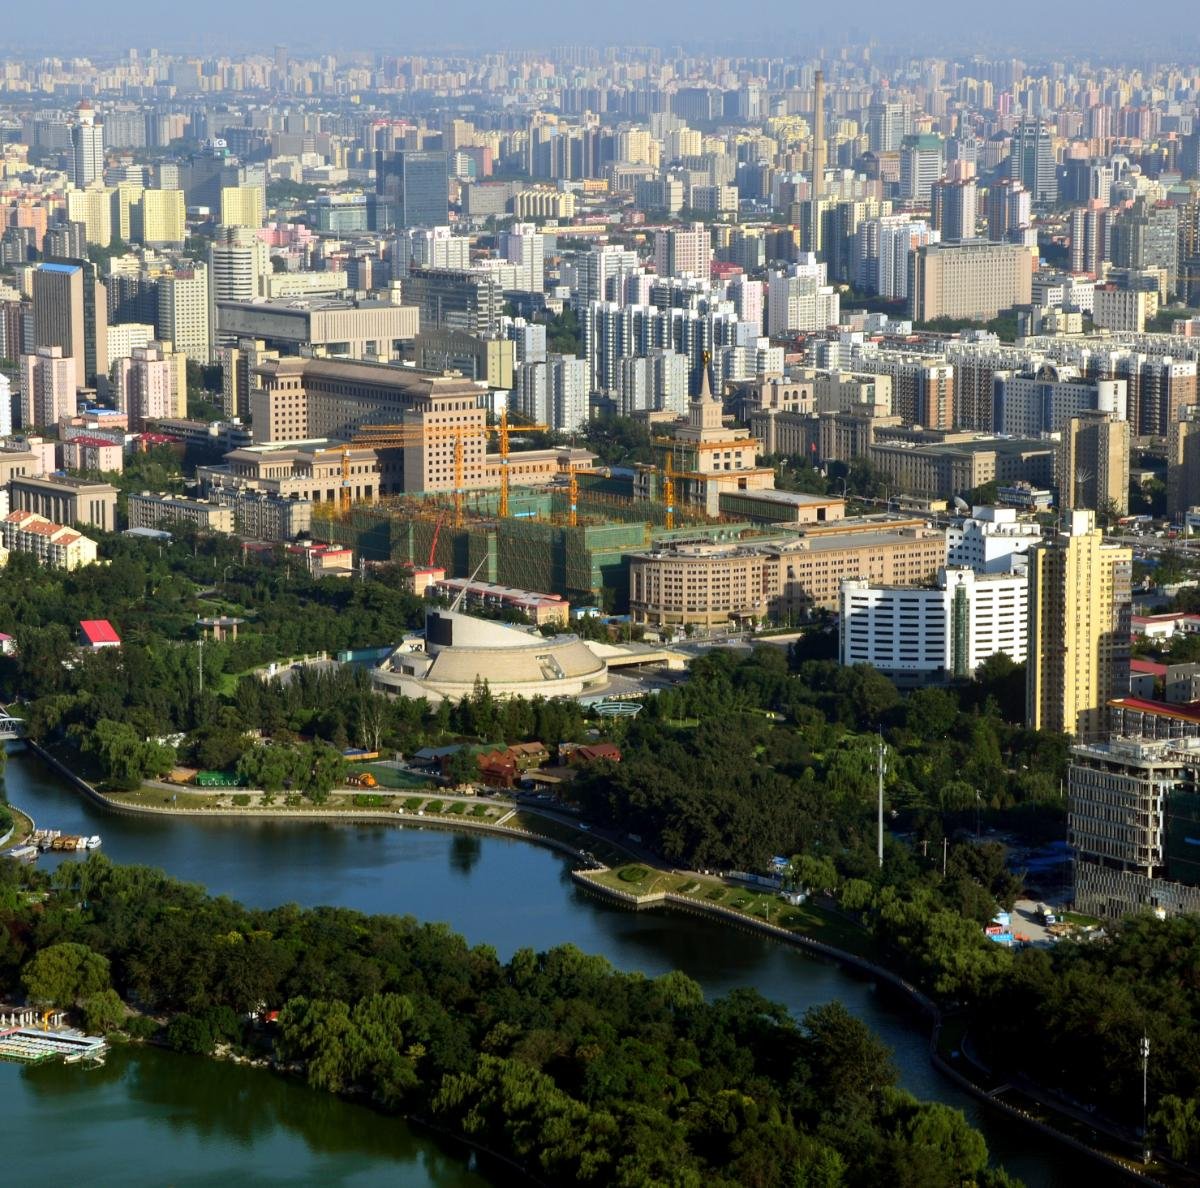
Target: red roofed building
<point>98,633</point>
<point>93,454</point>
<point>1141,717</point>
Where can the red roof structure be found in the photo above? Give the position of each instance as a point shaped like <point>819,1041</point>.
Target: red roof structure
<point>99,633</point>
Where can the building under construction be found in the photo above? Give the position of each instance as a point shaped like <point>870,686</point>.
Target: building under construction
<point>534,548</point>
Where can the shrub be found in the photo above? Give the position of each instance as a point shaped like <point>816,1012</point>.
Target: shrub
<point>412,804</point>
<point>188,1034</point>
<point>456,807</point>
<point>434,806</point>
<point>241,799</point>
<point>140,1027</point>
<point>632,874</point>
<point>368,800</point>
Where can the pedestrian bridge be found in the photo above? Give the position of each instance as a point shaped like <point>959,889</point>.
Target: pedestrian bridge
<point>10,727</point>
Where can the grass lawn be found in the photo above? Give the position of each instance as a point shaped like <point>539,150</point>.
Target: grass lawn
<point>22,827</point>
<point>390,777</point>
<point>160,798</point>
<point>1080,920</point>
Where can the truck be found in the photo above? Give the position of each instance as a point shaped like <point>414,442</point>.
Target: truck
<point>1046,914</point>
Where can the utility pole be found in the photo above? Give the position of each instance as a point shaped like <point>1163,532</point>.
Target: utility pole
<point>1145,1050</point>
<point>880,766</point>
<point>945,853</point>
<point>201,642</point>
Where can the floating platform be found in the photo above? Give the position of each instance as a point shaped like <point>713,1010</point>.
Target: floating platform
<point>31,1045</point>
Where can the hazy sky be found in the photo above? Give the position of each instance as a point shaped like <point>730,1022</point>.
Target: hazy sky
<point>798,27</point>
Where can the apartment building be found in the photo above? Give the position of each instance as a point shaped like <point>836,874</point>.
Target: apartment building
<point>976,279</point>
<point>1079,608</point>
<point>52,544</point>
<point>152,511</point>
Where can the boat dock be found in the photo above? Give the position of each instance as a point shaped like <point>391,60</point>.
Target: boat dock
<point>31,1045</point>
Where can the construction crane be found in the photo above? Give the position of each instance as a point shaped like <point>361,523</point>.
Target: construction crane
<point>383,437</point>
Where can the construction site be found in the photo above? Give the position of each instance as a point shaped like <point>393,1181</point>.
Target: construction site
<point>571,538</point>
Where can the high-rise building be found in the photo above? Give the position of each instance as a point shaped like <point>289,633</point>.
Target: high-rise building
<point>243,206</point>
<point>87,144</point>
<point>1032,161</point>
<point>524,246</point>
<point>415,185</point>
<point>164,222</point>
<point>955,208</point>
<point>1147,236</point>
<point>93,208</point>
<point>48,384</point>
<point>800,300</point>
<point>887,126</point>
<point>1092,464</point>
<point>1091,231</point>
<point>1079,607</point>
<point>683,251</point>
<point>554,392</point>
<point>922,159</point>
<point>974,279</point>
<point>183,302</point>
<point>70,310</point>
<point>1133,812</point>
<point>237,262</point>
<point>456,299</point>
<point>601,269</point>
<point>144,387</point>
<point>1183,462</point>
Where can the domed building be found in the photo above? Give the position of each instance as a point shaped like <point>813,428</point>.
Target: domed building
<point>459,650</point>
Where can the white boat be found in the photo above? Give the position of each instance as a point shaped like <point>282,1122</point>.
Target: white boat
<point>93,842</point>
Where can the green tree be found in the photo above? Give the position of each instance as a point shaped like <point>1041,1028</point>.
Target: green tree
<point>65,974</point>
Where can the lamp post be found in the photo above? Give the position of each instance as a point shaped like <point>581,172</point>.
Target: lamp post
<point>1145,1051</point>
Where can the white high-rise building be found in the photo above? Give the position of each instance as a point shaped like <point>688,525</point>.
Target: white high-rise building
<point>881,250</point>
<point>524,246</point>
<point>601,270</point>
<point>683,251</point>
<point>652,383</point>
<point>144,386</point>
<point>183,305</point>
<point>6,417</point>
<point>87,144</point>
<point>237,263</point>
<point>430,247</point>
<point>747,298</point>
<point>553,392</point>
<point>800,300</point>
<point>991,540</point>
<point>917,634</point>
<point>48,386</point>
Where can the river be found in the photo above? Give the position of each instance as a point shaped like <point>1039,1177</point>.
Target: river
<point>199,1122</point>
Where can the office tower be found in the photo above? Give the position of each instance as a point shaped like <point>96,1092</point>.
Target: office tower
<point>954,208</point>
<point>1079,608</point>
<point>453,299</point>
<point>237,262</point>
<point>243,206</point>
<point>144,387</point>
<point>683,251</point>
<point>529,339</point>
<point>70,310</point>
<point>87,144</point>
<point>6,409</point>
<point>524,245</point>
<point>1032,162</point>
<point>48,386</point>
<point>976,280</point>
<point>921,164</point>
<point>1092,462</point>
<point>163,218</point>
<point>66,241</point>
<point>183,306</point>
<point>415,186</point>
<point>887,126</point>
<point>818,139</point>
<point>747,298</point>
<point>237,374</point>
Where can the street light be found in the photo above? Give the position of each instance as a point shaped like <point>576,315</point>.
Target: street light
<point>225,574</point>
<point>1145,1050</point>
<point>978,809</point>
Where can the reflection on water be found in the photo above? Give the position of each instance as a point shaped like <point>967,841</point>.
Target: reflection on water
<point>507,894</point>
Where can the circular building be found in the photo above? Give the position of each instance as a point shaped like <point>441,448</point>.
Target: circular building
<point>457,651</point>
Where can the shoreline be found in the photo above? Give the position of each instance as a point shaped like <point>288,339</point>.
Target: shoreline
<point>670,900</point>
